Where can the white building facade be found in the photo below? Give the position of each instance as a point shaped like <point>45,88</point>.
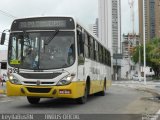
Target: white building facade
<point>116,26</point>
<point>3,59</point>
<point>110,29</point>
<point>94,28</point>
<point>105,22</point>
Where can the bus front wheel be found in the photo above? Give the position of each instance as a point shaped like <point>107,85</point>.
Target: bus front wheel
<point>83,99</point>
<point>33,100</point>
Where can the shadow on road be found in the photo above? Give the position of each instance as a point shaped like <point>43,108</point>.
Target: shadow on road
<point>61,102</point>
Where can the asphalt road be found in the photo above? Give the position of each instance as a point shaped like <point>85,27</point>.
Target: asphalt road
<point>118,100</point>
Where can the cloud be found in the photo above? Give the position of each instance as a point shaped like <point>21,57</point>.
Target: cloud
<point>85,10</point>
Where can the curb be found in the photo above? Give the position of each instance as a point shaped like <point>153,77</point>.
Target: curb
<point>149,90</point>
<point>143,88</point>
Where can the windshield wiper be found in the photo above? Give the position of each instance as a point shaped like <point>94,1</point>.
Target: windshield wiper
<point>51,38</point>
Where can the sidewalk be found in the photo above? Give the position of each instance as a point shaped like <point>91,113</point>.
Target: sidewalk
<point>150,85</point>
<point>153,87</point>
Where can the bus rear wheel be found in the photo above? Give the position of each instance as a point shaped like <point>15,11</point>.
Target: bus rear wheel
<point>33,100</point>
<point>83,99</point>
<point>103,92</point>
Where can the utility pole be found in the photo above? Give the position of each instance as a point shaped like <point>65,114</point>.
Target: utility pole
<point>144,42</point>
<point>139,73</point>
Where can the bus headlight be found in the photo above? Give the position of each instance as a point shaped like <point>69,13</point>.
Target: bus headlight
<point>66,80</point>
<point>14,80</point>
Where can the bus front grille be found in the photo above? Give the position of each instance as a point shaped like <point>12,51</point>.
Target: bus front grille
<point>39,75</point>
<point>38,90</point>
<point>35,83</point>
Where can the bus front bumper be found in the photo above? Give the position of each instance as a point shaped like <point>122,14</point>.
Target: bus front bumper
<point>73,90</point>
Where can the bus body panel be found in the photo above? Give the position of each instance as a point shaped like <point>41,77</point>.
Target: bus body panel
<point>97,73</point>
<point>76,88</point>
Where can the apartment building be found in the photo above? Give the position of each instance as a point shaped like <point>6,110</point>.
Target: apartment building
<point>152,19</point>
<point>157,18</point>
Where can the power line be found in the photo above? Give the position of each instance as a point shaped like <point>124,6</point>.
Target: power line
<point>7,14</point>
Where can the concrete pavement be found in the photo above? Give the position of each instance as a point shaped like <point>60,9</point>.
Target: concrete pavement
<point>118,100</point>
<point>152,86</point>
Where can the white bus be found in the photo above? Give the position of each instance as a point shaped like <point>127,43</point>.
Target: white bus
<point>55,57</point>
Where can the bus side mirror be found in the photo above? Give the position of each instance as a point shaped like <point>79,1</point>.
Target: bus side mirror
<point>3,36</point>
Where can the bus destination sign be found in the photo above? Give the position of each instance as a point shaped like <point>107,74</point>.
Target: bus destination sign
<point>43,23</point>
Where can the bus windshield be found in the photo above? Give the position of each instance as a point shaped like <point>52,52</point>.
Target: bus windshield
<point>42,50</point>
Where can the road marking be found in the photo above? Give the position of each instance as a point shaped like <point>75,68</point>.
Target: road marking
<point>6,101</point>
<point>158,114</point>
<point>2,95</point>
<point>151,116</point>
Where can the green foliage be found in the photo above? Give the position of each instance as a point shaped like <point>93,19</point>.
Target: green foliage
<point>152,54</point>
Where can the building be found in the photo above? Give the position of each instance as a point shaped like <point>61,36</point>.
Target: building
<point>3,62</point>
<point>150,19</point>
<point>157,18</point>
<point>94,28</point>
<point>116,26</point>
<point>110,29</point>
<point>129,43</point>
<point>105,22</point>
<point>116,37</point>
<point>128,68</point>
<point>110,24</point>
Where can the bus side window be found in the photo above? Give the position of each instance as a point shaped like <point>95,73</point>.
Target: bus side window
<point>80,45</point>
<point>86,49</point>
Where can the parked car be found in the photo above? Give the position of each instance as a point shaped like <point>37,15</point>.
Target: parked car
<point>136,77</point>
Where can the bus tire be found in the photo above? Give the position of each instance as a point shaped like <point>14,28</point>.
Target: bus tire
<point>33,100</point>
<point>83,99</point>
<point>103,93</point>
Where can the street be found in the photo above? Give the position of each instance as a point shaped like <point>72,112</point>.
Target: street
<point>118,100</point>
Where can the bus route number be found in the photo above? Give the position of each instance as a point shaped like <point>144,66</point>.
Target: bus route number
<point>12,70</point>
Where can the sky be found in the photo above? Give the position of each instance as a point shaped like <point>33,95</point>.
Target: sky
<point>126,17</point>
<point>86,11</point>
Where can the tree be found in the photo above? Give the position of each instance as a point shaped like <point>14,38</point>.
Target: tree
<point>152,55</point>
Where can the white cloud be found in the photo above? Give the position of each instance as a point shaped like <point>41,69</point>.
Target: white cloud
<point>85,10</point>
